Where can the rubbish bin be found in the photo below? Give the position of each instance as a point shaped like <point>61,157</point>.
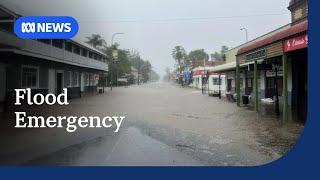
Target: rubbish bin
<point>245,99</point>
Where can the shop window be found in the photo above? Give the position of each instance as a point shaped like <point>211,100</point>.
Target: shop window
<point>91,79</point>
<point>270,86</point>
<point>216,81</point>
<point>29,77</point>
<point>75,79</point>
<point>68,79</point>
<point>86,79</point>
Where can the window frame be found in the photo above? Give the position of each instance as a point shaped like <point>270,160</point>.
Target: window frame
<point>37,76</point>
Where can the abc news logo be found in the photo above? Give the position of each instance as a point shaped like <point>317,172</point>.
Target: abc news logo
<point>46,27</point>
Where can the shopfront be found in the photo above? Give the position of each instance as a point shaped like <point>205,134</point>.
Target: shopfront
<point>274,68</point>
<point>296,51</point>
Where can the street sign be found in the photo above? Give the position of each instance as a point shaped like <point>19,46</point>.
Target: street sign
<point>115,54</point>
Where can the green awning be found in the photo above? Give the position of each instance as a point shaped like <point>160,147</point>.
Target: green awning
<point>225,67</point>
<point>260,61</point>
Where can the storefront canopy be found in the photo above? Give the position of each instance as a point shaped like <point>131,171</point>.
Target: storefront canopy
<point>282,33</point>
<point>225,67</point>
<point>251,62</point>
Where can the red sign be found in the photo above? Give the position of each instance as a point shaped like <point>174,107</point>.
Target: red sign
<point>295,43</point>
<point>199,73</point>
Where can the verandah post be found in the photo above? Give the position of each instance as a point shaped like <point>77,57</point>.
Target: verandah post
<point>285,87</point>
<point>256,104</point>
<point>238,84</point>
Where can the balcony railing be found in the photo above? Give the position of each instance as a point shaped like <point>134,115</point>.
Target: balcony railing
<point>49,52</point>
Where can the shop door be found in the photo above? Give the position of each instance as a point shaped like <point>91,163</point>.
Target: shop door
<point>59,83</point>
<point>300,84</point>
<point>302,92</point>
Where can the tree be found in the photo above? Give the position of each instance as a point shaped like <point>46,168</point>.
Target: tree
<point>198,55</point>
<point>220,56</point>
<point>96,41</point>
<point>179,54</point>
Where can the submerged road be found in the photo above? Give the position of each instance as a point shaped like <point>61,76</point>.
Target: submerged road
<point>165,125</point>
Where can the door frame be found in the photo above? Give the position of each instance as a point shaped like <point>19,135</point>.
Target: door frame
<point>62,80</point>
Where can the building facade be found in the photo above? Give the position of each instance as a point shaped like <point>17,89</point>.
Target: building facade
<point>46,66</point>
<point>276,65</point>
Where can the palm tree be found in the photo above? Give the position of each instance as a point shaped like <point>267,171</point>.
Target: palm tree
<point>179,54</point>
<point>96,41</point>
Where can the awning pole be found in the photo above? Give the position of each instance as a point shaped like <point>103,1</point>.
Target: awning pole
<point>285,87</point>
<point>256,104</point>
<point>238,84</point>
<point>219,85</point>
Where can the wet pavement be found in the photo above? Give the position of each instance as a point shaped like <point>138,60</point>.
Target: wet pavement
<point>165,125</point>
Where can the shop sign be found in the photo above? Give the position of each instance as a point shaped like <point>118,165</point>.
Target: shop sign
<point>259,54</point>
<point>296,43</point>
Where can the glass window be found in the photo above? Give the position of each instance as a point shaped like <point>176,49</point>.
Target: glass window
<point>216,81</point>
<point>86,79</point>
<point>91,55</point>
<point>84,53</point>
<point>68,46</point>
<point>91,79</point>
<point>75,79</point>
<point>29,77</point>
<point>76,49</point>
<point>68,79</point>
<point>57,43</point>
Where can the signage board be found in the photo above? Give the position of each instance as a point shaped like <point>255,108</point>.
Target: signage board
<point>295,43</point>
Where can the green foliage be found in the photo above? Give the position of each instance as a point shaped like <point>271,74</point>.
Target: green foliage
<point>220,56</point>
<point>179,54</point>
<point>96,41</point>
<point>121,67</point>
<point>198,55</point>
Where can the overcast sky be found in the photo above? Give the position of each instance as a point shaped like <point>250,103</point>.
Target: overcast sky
<point>154,27</point>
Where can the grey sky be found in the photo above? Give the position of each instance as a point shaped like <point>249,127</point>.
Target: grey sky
<point>154,27</point>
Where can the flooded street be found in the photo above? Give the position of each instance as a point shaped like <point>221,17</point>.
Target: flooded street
<point>165,125</point>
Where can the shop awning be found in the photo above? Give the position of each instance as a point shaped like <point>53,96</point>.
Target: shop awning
<point>225,67</point>
<point>251,62</point>
<point>282,33</point>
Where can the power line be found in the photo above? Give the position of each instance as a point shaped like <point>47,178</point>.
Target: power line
<point>187,19</point>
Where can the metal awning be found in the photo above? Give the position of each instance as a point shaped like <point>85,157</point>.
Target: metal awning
<point>260,61</point>
<point>225,67</point>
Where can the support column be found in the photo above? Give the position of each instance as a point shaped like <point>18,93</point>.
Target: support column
<point>238,84</point>
<point>285,87</point>
<point>256,92</point>
<point>219,85</point>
